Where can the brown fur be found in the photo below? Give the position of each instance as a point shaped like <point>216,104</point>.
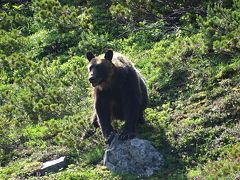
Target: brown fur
<point>119,93</point>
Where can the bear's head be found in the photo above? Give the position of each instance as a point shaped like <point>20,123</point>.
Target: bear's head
<point>100,69</point>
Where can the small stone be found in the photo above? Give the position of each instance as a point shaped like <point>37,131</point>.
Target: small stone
<point>51,166</point>
<point>135,156</point>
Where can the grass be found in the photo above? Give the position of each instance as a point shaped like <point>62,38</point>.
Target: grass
<point>191,72</point>
<point>195,128</point>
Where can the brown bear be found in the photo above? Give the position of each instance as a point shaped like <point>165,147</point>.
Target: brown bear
<point>119,93</point>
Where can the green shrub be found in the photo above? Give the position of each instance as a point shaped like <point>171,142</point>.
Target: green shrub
<point>187,52</point>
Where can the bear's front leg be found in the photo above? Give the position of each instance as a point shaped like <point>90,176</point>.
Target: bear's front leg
<point>131,115</point>
<point>102,106</point>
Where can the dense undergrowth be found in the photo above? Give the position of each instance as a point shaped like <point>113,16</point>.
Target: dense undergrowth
<point>188,52</point>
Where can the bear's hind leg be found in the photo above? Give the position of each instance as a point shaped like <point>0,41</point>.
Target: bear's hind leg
<point>91,131</point>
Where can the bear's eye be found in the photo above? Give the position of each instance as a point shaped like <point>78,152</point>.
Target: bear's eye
<point>91,67</point>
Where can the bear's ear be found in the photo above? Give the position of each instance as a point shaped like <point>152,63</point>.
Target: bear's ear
<point>90,56</point>
<point>109,55</point>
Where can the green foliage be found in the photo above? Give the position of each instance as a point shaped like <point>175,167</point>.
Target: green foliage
<point>221,28</point>
<point>187,51</point>
<point>15,16</point>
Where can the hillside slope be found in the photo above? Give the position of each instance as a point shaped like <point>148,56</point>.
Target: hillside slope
<point>187,51</point>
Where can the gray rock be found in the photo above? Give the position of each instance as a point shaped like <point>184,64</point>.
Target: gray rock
<point>51,166</point>
<point>135,156</point>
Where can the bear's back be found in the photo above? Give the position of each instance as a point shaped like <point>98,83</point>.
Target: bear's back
<point>120,61</point>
